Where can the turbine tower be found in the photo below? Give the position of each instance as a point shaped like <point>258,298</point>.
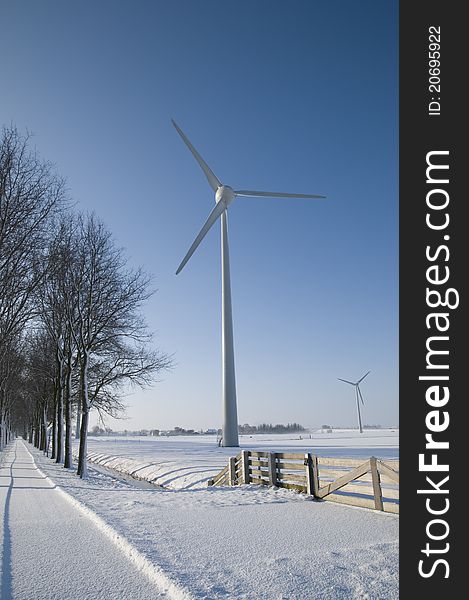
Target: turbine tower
<point>358,395</point>
<point>224,196</point>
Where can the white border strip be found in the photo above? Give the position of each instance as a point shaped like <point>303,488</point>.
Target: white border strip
<point>154,573</point>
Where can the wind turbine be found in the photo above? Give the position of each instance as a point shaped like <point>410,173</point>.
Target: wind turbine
<point>224,196</point>
<point>358,395</point>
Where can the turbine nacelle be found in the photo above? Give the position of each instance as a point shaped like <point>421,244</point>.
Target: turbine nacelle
<point>225,194</point>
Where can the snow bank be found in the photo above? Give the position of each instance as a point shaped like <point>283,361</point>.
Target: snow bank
<point>176,477</point>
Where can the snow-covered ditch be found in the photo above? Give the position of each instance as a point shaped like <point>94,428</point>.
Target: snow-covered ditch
<point>179,477</point>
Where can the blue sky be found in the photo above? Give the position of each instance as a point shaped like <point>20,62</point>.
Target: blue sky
<point>300,97</point>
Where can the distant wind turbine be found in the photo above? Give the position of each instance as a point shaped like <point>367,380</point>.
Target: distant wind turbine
<point>358,395</point>
<point>224,196</point>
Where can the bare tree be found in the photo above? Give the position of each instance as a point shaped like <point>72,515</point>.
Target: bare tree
<point>31,194</point>
<point>110,334</point>
<point>10,383</point>
<point>38,386</point>
<point>57,306</point>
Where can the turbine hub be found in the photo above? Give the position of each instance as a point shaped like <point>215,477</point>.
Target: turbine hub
<point>225,193</point>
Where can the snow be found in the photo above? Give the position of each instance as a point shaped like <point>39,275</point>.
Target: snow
<point>51,550</point>
<point>245,542</point>
<point>187,462</point>
<point>109,538</point>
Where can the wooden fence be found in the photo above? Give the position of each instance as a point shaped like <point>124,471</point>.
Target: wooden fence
<point>371,483</point>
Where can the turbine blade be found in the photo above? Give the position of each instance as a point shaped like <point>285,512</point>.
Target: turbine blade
<point>213,216</point>
<point>360,393</point>
<point>360,380</point>
<point>213,180</point>
<point>254,194</point>
<point>345,381</point>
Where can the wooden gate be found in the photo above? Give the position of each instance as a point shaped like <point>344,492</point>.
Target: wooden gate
<point>370,483</point>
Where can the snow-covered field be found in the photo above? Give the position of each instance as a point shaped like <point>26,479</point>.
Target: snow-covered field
<point>244,542</point>
<point>187,462</point>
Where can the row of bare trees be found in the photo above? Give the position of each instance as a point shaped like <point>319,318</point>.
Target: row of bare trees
<point>72,335</point>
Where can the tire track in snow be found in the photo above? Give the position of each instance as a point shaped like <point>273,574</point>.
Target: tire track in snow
<point>154,573</point>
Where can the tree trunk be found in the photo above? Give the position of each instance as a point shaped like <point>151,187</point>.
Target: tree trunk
<point>54,430</point>
<point>82,465</point>
<point>2,418</point>
<point>1,430</point>
<point>37,433</point>
<point>60,413</point>
<point>68,459</point>
<point>78,425</point>
<point>44,445</point>
<point>85,406</point>
<point>59,450</point>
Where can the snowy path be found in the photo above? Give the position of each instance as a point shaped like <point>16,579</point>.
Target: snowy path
<point>49,549</point>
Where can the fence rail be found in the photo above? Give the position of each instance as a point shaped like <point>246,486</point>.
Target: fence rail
<point>370,483</point>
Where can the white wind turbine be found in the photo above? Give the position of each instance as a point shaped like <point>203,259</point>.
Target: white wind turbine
<point>358,395</point>
<point>224,196</point>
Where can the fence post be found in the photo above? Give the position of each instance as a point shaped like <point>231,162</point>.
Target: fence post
<point>232,471</point>
<point>376,484</point>
<point>272,469</point>
<point>314,459</point>
<point>312,482</point>
<point>246,476</point>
